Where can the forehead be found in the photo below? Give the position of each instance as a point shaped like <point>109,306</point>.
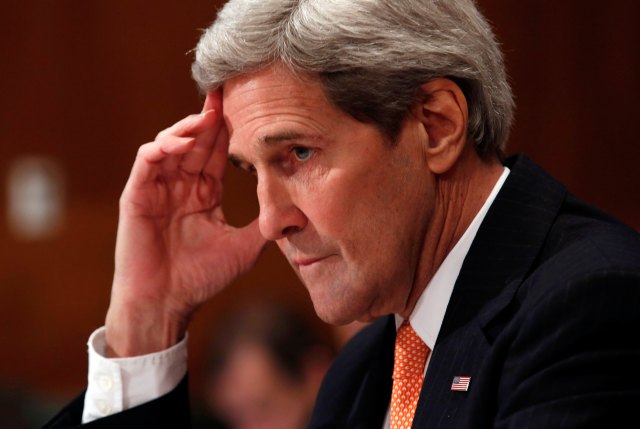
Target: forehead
<point>274,78</point>
<point>273,101</point>
<point>272,84</point>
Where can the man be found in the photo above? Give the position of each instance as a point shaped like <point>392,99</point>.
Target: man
<point>376,131</point>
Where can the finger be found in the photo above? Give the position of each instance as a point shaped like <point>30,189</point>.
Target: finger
<point>174,149</point>
<point>202,127</point>
<point>188,127</point>
<point>252,242</point>
<point>170,164</point>
<point>217,161</point>
<point>164,155</point>
<point>194,161</point>
<point>213,101</point>
<point>171,146</point>
<point>151,159</point>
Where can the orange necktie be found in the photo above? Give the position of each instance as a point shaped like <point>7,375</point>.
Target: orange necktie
<point>408,372</point>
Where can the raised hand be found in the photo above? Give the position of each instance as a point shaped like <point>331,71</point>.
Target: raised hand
<point>174,248</point>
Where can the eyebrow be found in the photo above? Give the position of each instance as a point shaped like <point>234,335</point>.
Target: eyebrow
<point>236,162</point>
<point>271,140</point>
<point>283,137</point>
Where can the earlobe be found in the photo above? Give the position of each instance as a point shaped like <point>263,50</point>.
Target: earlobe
<point>443,114</point>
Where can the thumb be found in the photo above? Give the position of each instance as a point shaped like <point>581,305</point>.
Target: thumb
<point>253,242</point>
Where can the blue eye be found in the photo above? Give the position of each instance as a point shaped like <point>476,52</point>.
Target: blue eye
<point>302,153</point>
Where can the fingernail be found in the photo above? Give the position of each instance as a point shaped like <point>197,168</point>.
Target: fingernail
<point>206,112</point>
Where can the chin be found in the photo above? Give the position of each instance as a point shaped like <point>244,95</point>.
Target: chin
<point>332,318</point>
<point>334,315</point>
<point>341,313</point>
<point>340,302</point>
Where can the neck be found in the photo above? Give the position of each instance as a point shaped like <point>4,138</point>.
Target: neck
<point>460,194</point>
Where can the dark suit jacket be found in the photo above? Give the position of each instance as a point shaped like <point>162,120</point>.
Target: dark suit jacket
<point>544,318</point>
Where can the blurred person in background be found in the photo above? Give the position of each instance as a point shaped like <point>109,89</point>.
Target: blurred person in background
<point>267,366</point>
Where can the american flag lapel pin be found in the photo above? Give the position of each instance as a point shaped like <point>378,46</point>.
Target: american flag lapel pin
<point>460,383</point>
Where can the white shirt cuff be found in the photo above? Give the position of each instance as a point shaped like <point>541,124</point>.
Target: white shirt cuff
<point>118,384</point>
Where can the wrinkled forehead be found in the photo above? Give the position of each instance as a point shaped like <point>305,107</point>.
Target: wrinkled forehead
<point>274,83</point>
<point>274,101</point>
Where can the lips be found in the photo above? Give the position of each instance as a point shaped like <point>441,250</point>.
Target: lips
<point>305,261</point>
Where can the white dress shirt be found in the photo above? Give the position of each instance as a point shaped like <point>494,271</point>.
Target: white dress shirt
<point>117,384</point>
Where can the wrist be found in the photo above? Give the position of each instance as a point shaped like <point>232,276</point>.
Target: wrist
<point>134,331</point>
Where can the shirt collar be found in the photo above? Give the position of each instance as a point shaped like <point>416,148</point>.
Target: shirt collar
<point>428,314</point>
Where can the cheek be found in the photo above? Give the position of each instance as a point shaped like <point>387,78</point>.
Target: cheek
<point>329,203</point>
<point>355,213</point>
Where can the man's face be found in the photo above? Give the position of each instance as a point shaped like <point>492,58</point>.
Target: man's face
<point>347,209</point>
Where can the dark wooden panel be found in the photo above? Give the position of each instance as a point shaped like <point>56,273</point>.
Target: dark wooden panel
<point>574,67</point>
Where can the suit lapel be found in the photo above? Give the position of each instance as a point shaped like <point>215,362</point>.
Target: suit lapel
<point>501,255</point>
<point>372,399</point>
<point>356,391</point>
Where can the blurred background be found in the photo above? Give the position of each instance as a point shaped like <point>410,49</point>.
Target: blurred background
<point>84,83</point>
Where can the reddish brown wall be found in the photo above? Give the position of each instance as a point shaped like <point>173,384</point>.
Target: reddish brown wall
<point>86,82</point>
<point>575,67</point>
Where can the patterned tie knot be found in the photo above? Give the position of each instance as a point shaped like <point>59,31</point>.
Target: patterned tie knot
<point>410,353</point>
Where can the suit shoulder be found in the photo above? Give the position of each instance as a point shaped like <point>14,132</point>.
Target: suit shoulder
<point>584,239</point>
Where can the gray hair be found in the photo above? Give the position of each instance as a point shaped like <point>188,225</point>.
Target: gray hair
<point>371,56</point>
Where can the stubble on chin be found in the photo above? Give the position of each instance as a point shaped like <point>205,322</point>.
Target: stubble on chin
<point>343,302</point>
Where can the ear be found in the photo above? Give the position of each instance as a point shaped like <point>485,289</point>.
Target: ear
<point>443,114</point>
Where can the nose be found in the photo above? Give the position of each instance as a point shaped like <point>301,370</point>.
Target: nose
<point>279,216</point>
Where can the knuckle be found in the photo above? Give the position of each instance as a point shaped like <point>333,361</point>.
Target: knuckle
<point>142,150</point>
<point>162,134</point>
